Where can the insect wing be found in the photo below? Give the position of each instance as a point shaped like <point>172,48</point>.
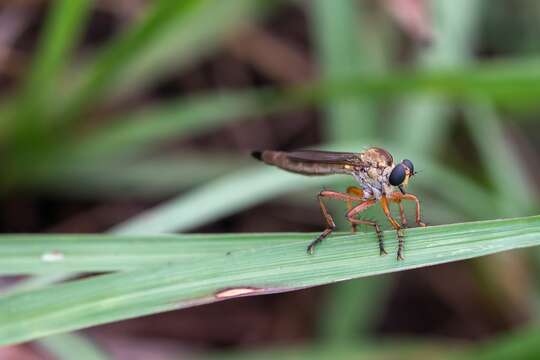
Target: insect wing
<point>325,157</point>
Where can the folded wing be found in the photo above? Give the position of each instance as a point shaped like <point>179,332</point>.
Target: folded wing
<point>311,162</point>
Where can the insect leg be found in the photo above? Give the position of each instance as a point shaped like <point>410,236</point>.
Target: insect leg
<point>329,220</point>
<point>386,209</point>
<point>358,209</point>
<point>399,197</point>
<point>402,217</point>
<point>353,190</point>
<point>395,225</point>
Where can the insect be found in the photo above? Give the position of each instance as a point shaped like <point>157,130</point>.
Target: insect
<point>375,171</point>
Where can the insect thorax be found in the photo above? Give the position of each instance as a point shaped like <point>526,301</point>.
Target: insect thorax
<point>374,181</point>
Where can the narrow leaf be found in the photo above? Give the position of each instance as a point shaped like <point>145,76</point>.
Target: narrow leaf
<point>46,253</point>
<point>286,267</point>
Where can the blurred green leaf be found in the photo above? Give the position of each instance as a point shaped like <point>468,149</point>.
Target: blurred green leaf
<point>82,303</point>
<point>408,349</point>
<point>183,42</point>
<point>172,35</point>
<point>97,77</point>
<point>63,26</point>
<point>146,178</point>
<point>508,82</point>
<point>133,132</point>
<point>504,167</point>
<point>521,344</point>
<point>342,55</point>
<point>64,346</point>
<point>427,120</point>
<point>351,308</point>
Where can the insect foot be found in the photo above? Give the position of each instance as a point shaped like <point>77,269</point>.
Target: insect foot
<point>311,247</point>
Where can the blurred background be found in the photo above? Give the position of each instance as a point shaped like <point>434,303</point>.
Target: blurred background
<point>127,116</point>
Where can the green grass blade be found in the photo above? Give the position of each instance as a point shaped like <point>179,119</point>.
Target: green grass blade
<point>64,23</point>
<point>351,309</point>
<point>286,267</point>
<point>52,254</point>
<point>510,82</point>
<point>36,282</point>
<point>518,344</point>
<point>64,346</point>
<point>426,119</point>
<point>516,193</point>
<point>142,179</point>
<point>341,54</point>
<point>407,349</point>
<point>98,76</point>
<point>187,117</point>
<point>183,42</point>
<point>236,191</point>
<point>63,26</point>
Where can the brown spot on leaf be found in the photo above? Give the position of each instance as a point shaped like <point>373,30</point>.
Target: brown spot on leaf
<point>237,291</point>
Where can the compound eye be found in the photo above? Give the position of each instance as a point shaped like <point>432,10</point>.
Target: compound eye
<point>408,163</point>
<point>397,176</point>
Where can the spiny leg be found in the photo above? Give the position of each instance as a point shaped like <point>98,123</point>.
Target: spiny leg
<point>395,225</point>
<point>356,191</point>
<point>402,216</point>
<point>359,208</point>
<point>398,197</point>
<point>329,220</point>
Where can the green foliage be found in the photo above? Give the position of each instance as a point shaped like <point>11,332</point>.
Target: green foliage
<point>63,346</point>
<point>46,150</point>
<point>256,270</point>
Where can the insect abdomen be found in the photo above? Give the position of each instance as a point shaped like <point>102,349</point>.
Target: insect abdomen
<point>282,160</point>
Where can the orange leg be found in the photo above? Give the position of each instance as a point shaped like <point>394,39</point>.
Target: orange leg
<point>402,217</point>
<point>356,191</point>
<point>386,209</point>
<point>330,225</point>
<point>398,197</point>
<point>395,225</point>
<point>358,209</point>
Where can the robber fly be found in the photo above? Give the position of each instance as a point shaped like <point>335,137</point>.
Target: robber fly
<point>375,171</point>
